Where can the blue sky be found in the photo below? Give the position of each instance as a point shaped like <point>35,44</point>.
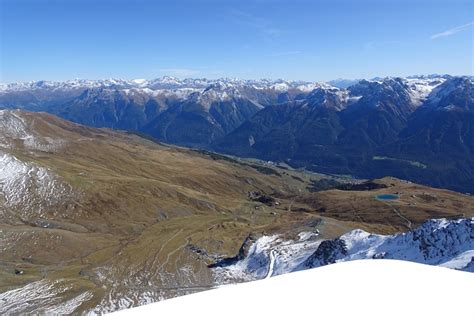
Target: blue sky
<point>292,39</point>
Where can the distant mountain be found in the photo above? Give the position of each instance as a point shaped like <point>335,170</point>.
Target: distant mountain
<point>440,134</point>
<point>331,130</point>
<point>417,128</point>
<point>192,112</point>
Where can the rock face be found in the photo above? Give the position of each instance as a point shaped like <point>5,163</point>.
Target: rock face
<point>327,253</point>
<point>241,255</point>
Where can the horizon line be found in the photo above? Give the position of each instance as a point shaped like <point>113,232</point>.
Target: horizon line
<point>235,78</point>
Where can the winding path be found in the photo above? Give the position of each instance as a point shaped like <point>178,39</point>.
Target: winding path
<point>272,264</point>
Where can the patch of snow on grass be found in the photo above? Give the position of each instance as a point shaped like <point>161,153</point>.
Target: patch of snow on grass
<point>28,186</point>
<point>25,300</point>
<point>14,128</point>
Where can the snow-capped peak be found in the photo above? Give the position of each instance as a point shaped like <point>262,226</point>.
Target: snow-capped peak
<point>422,87</point>
<point>456,90</point>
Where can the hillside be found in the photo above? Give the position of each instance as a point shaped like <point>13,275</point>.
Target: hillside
<point>103,217</point>
<point>101,220</point>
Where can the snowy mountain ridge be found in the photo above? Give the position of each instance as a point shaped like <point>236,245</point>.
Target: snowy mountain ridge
<point>40,95</point>
<point>167,82</point>
<point>155,84</point>
<point>448,243</point>
<point>440,242</point>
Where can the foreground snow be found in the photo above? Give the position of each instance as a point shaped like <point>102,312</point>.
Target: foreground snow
<point>362,287</point>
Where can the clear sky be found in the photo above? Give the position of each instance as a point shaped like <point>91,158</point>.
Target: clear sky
<point>291,39</point>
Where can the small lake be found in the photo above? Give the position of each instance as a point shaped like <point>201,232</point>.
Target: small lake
<point>387,197</point>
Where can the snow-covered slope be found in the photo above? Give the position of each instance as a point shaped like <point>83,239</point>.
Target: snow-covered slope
<point>28,188</point>
<point>364,287</point>
<point>421,87</point>
<point>22,182</point>
<point>269,256</point>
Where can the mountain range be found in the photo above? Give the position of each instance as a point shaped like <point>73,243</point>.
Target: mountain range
<point>418,128</point>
